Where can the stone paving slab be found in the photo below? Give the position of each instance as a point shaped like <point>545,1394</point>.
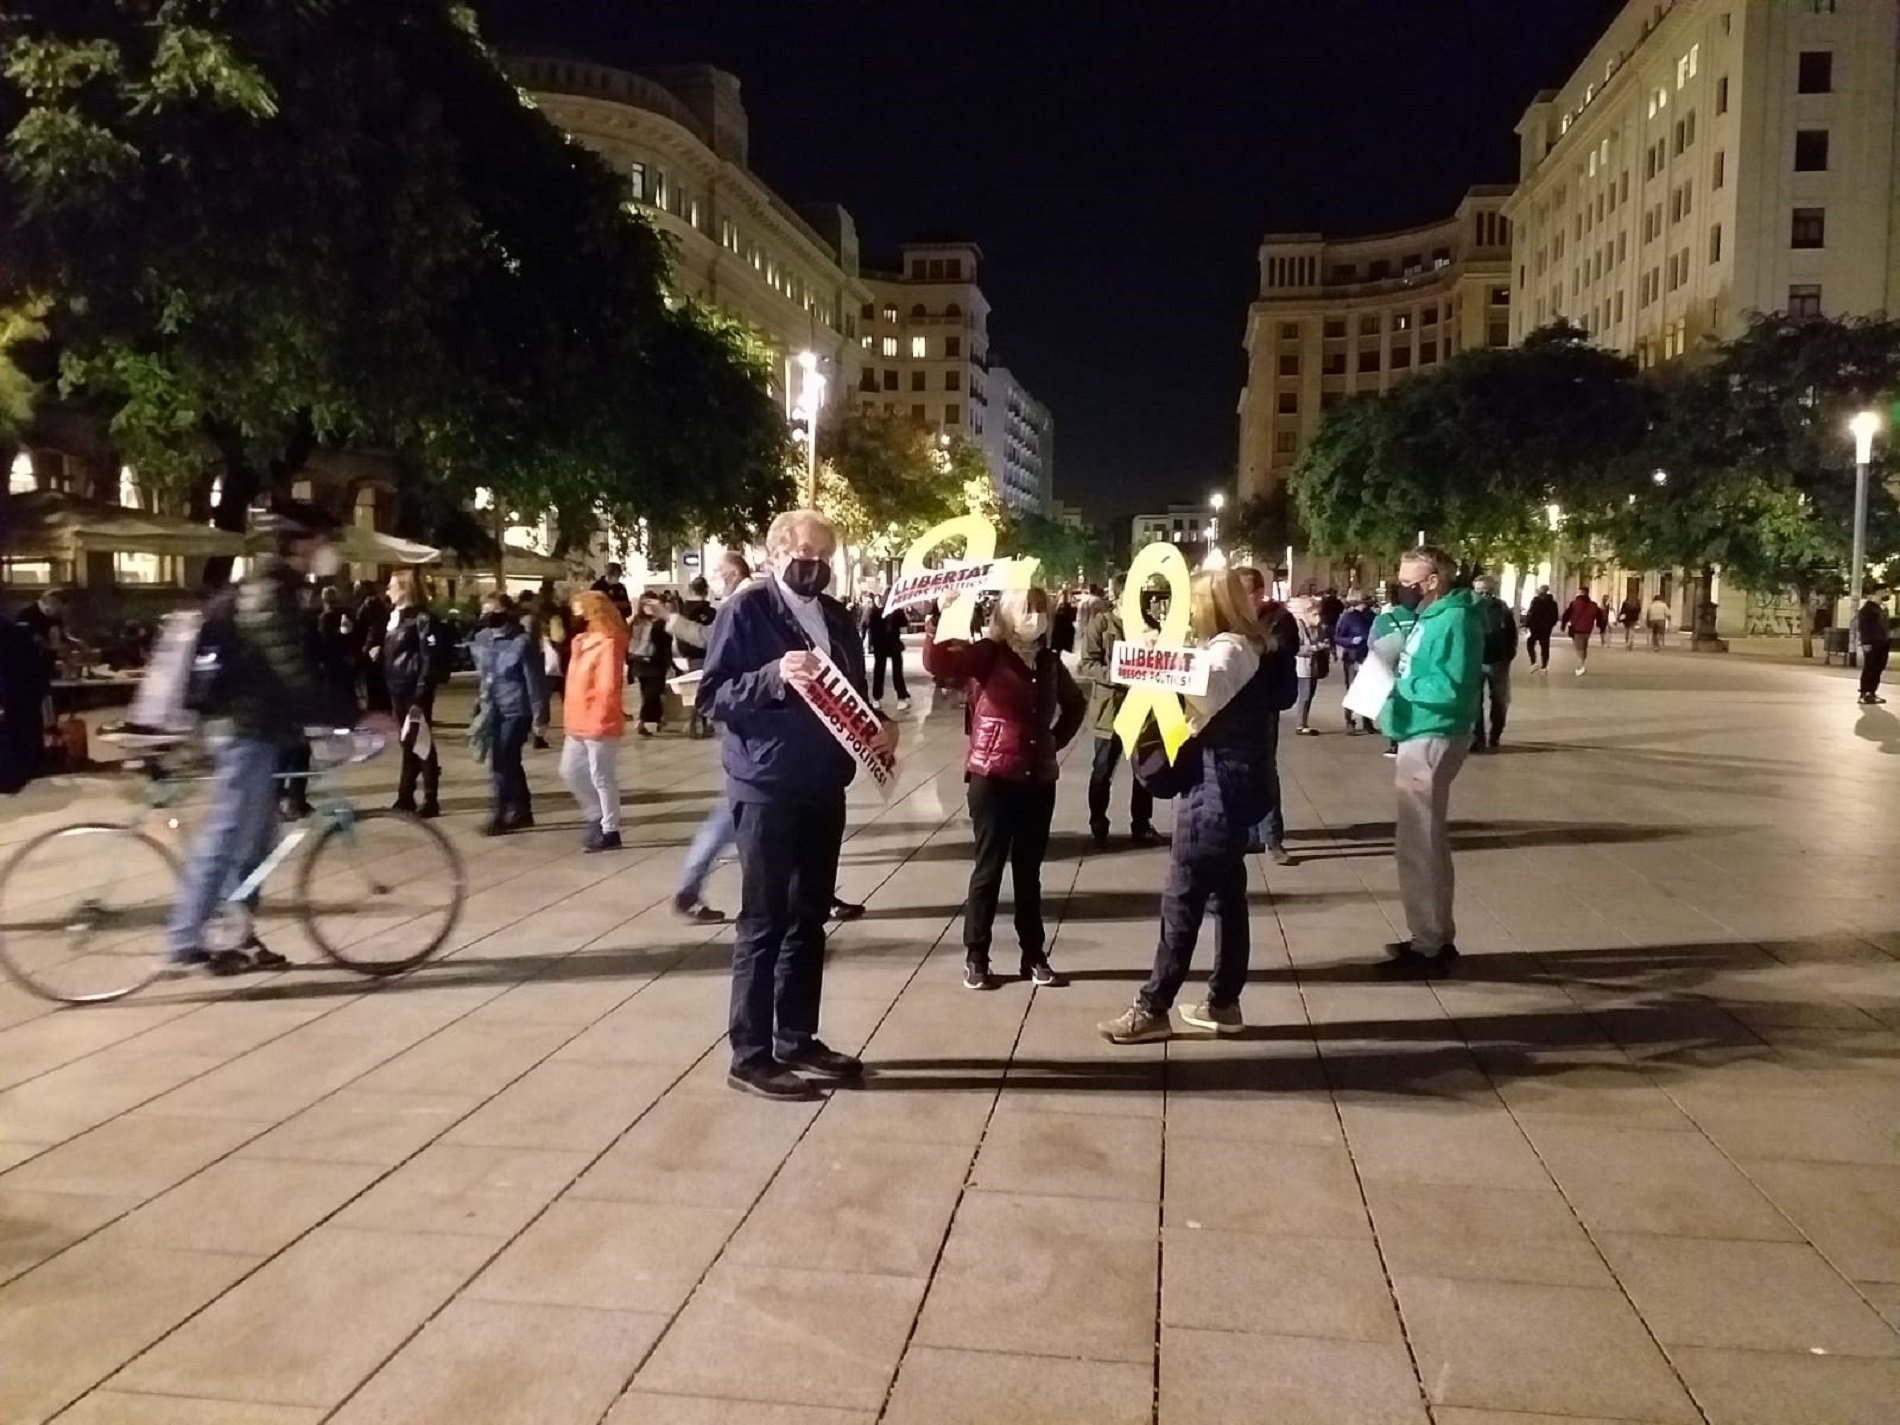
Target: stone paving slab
<point>1636,1165</point>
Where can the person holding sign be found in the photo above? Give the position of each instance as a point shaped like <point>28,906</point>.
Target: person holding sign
<point>1430,714</point>
<point>1101,630</point>
<point>1225,762</point>
<point>784,679</point>
<point>1024,709</point>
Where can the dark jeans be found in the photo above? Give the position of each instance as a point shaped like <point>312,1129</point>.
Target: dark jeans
<point>1271,829</point>
<point>653,697</point>
<point>507,780</point>
<point>1494,687</point>
<point>896,662</point>
<point>429,768</point>
<point>788,863</point>
<point>1141,805</point>
<point>1873,662</point>
<point>1534,642</point>
<point>1011,820</point>
<point>294,768</point>
<point>1195,876</point>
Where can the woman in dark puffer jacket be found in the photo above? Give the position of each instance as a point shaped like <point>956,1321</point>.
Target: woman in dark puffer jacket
<point>1024,709</point>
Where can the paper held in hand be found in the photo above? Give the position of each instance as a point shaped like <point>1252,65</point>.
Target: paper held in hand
<point>923,586</point>
<point>1372,686</point>
<point>849,718</point>
<point>1177,669</point>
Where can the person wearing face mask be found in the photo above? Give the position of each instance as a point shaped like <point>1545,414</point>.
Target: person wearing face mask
<point>1430,714</point>
<point>414,663</point>
<point>268,690</point>
<point>785,777</point>
<point>1024,709</point>
<point>514,688</point>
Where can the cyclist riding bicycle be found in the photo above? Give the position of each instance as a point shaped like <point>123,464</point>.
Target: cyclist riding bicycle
<point>268,689</point>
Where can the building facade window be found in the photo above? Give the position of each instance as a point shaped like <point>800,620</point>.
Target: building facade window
<point>1288,404</point>
<point>1369,326</point>
<point>1333,364</point>
<point>953,347</point>
<point>1815,72</point>
<point>1289,366</point>
<point>637,181</point>
<point>1810,151</point>
<point>917,381</point>
<point>1369,360</point>
<point>1285,442</point>
<point>889,346</point>
<point>1289,331</point>
<point>1715,243</point>
<point>1718,171</point>
<point>1721,95</point>
<point>1804,299</point>
<point>953,380</point>
<point>919,347</point>
<point>953,414</point>
<point>1809,228</point>
<point>1427,353</point>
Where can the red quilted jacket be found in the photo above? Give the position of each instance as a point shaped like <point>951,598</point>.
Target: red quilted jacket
<point>1019,719</point>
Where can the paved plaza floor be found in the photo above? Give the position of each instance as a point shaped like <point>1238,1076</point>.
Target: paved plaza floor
<point>1637,1163</point>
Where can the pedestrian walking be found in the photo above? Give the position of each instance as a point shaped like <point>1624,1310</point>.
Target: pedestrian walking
<point>1024,709</point>
<point>1100,633</point>
<point>372,625</point>
<point>1657,618</point>
<point>415,661</point>
<point>1351,636</point>
<point>1540,620</point>
<point>611,585</point>
<point>1629,615</point>
<point>594,716</point>
<point>1499,628</point>
<point>1224,767</point>
<point>1312,658</point>
<point>1874,630</point>
<point>650,660</point>
<point>514,693</point>
<point>1062,626</point>
<point>884,640</point>
<point>1580,622</point>
<point>1281,659</point>
<point>1430,715</point>
<point>786,777</point>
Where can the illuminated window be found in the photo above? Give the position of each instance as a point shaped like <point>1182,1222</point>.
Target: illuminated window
<point>890,346</point>
<point>20,479</point>
<point>659,188</point>
<point>890,315</point>
<point>919,347</point>
<point>637,180</point>
<point>135,569</point>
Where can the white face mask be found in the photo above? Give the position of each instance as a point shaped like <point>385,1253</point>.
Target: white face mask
<point>326,563</point>
<point>1031,627</point>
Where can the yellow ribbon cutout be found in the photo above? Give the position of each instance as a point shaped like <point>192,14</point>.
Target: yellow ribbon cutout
<point>1164,560</point>
<point>979,545</point>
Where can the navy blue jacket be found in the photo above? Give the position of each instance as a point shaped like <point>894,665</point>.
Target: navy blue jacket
<point>774,747</point>
<point>1230,787</point>
<point>1353,631</point>
<point>510,666</point>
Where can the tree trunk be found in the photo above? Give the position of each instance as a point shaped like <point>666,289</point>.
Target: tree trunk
<point>1804,594</point>
<point>239,483</point>
<point>501,545</point>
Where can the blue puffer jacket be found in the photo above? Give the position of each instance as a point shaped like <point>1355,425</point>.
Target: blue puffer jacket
<point>509,661</point>
<point>1214,815</point>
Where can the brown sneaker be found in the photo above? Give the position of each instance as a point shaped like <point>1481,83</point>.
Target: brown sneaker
<point>1136,1025</point>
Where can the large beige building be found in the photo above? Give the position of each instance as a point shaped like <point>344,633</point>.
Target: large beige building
<point>1339,316</point>
<point>1710,158</point>
<point>925,347</point>
<point>680,137</point>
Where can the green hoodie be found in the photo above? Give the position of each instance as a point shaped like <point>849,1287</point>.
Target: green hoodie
<point>1439,672</point>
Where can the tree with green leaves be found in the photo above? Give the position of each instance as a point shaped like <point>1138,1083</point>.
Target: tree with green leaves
<point>1065,553</point>
<point>883,479</point>
<point>258,229</point>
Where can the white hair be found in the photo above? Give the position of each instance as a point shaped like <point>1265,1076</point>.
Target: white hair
<point>784,530</point>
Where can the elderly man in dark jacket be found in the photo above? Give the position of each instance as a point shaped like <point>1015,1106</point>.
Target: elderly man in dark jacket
<point>786,777</point>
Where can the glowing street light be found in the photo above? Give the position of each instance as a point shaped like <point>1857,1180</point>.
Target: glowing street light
<point>811,399</point>
<point>1864,426</point>
<point>1660,477</point>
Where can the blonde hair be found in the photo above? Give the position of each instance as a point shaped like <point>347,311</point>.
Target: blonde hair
<point>1007,616</point>
<point>1219,602</point>
<point>596,610</point>
<point>408,587</point>
<point>783,533</point>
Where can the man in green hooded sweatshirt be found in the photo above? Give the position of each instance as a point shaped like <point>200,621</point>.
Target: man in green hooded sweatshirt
<point>1430,715</point>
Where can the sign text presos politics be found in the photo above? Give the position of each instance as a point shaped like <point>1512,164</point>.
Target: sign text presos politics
<point>1179,670</point>
<point>850,719</point>
<point>927,585</point>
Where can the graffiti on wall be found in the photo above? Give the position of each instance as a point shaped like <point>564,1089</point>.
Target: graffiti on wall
<point>1773,616</point>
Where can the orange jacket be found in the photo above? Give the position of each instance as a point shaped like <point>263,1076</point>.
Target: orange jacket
<point>596,679</point>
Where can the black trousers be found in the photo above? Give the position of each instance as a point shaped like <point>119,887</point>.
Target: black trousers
<point>427,769</point>
<point>1197,874</point>
<point>1141,805</point>
<point>1011,820</point>
<point>507,779</point>
<point>788,865</point>
<point>1873,663</point>
<point>1534,641</point>
<point>879,659</point>
<point>653,697</point>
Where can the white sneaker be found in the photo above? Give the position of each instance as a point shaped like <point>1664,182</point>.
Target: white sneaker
<point>1582,671</point>
<point>1219,1019</point>
<point>903,704</point>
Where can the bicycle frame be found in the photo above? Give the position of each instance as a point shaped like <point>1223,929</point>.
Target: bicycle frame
<point>332,811</point>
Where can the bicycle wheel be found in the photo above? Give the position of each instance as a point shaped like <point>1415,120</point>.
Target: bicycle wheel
<point>380,892</point>
<point>83,911</point>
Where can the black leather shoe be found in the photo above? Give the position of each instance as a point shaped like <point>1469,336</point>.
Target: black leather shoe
<point>825,1063</point>
<point>1414,966</point>
<point>846,910</point>
<point>775,1082</point>
<point>1144,836</point>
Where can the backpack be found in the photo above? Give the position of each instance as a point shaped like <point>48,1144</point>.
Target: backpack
<point>215,655</point>
<point>1500,631</point>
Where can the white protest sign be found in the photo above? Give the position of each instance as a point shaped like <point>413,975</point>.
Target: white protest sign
<point>1175,669</point>
<point>1371,687</point>
<point>941,585</point>
<point>849,718</point>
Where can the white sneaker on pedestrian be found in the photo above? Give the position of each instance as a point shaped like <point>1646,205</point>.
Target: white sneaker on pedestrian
<point>1581,671</point>
<point>1221,1019</point>
<point>903,704</point>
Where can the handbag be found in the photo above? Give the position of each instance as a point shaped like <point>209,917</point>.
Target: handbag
<point>1160,778</point>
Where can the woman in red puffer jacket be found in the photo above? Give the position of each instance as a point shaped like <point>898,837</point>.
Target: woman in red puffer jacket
<point>1024,709</point>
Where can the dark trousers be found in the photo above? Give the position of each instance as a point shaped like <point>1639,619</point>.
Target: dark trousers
<point>1271,828</point>
<point>1011,820</point>
<point>1309,689</point>
<point>788,864</point>
<point>653,697</point>
<point>879,658</point>
<point>507,779</point>
<point>1873,662</point>
<point>1141,805</point>
<point>1194,876</point>
<point>294,768</point>
<point>428,769</point>
<point>1536,642</point>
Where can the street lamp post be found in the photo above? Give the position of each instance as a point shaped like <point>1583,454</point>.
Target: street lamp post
<point>811,399</point>
<point>1864,426</point>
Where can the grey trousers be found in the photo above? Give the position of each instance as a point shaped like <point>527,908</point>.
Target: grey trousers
<point>1421,839</point>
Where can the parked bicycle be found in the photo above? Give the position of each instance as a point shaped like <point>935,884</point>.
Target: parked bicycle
<point>83,908</point>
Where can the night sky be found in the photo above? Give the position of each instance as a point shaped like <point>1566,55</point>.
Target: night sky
<point>1118,162</point>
